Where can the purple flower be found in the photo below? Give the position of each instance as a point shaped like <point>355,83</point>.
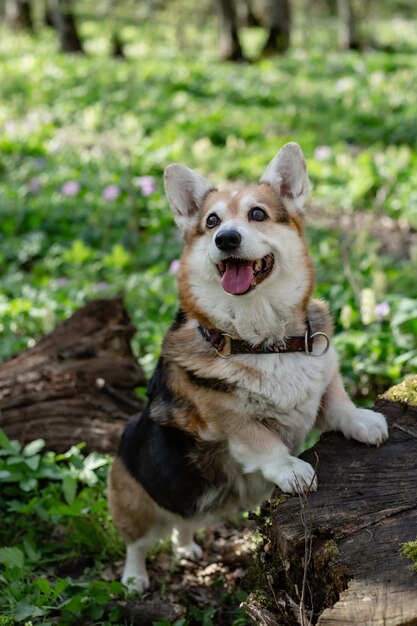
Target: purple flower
<point>100,286</point>
<point>382,310</point>
<point>10,126</point>
<point>146,184</point>
<point>322,153</point>
<point>111,192</point>
<point>174,267</point>
<point>34,185</point>
<point>39,163</point>
<point>70,188</point>
<point>59,282</point>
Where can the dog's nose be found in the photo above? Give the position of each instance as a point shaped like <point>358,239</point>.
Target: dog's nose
<point>228,240</point>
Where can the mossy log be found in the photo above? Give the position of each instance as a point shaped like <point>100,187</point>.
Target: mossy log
<point>76,384</point>
<point>334,557</point>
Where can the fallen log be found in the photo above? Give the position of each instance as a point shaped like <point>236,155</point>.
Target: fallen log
<point>334,557</point>
<point>76,384</point>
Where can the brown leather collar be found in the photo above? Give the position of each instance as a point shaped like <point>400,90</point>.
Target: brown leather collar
<point>225,346</point>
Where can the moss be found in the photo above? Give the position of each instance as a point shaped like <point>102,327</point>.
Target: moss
<point>404,392</point>
<point>329,579</point>
<point>329,550</point>
<point>257,579</point>
<point>409,550</point>
<point>280,500</point>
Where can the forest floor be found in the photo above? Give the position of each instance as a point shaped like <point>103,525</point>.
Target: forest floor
<point>396,236</point>
<point>208,591</point>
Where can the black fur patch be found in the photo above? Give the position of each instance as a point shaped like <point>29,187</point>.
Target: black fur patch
<point>180,319</point>
<point>210,383</point>
<point>157,387</point>
<point>160,457</point>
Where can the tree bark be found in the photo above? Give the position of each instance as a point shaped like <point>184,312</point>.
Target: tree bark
<point>47,15</point>
<point>279,27</point>
<point>334,557</point>
<point>348,26</point>
<point>246,14</point>
<point>230,48</point>
<point>117,49</point>
<point>63,19</point>
<point>18,15</point>
<point>76,384</point>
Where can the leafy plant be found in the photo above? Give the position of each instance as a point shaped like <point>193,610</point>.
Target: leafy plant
<point>52,510</point>
<point>83,215</point>
<point>409,550</point>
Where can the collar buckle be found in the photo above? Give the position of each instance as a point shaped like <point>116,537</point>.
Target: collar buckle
<point>222,343</point>
<point>309,339</point>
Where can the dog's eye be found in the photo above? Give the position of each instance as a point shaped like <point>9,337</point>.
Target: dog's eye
<point>257,215</point>
<point>212,220</point>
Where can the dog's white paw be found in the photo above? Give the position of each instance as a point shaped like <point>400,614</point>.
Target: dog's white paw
<point>296,476</point>
<point>367,427</point>
<point>192,551</point>
<point>136,582</point>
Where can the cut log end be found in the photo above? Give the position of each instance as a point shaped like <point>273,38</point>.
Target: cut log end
<point>336,554</point>
<point>77,384</point>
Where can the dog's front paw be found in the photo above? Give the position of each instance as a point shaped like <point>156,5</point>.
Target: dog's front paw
<point>367,427</point>
<point>136,582</point>
<point>296,476</point>
<point>192,551</point>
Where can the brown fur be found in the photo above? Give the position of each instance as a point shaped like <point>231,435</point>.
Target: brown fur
<point>263,193</point>
<point>272,202</point>
<point>218,434</point>
<point>132,509</point>
<point>187,300</point>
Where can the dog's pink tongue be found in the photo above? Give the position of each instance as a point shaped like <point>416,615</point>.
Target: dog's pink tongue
<point>237,278</point>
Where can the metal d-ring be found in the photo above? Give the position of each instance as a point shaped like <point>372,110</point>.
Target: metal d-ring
<point>318,334</point>
<point>222,356</point>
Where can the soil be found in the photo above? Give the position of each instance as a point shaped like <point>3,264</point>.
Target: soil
<point>206,592</point>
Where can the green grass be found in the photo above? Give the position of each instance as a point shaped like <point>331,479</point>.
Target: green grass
<point>54,522</point>
<point>102,122</point>
<point>101,125</point>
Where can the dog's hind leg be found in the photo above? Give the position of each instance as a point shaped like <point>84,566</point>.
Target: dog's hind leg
<point>183,543</point>
<point>135,575</point>
<point>139,520</point>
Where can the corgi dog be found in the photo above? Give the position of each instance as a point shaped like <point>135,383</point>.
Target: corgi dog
<point>247,368</point>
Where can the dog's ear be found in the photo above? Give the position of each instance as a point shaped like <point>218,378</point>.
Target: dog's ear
<point>287,174</point>
<point>186,190</point>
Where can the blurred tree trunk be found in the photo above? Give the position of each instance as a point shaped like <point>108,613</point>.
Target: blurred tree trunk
<point>348,26</point>
<point>246,15</point>
<point>332,7</point>
<point>230,48</point>
<point>18,14</point>
<point>117,50</point>
<point>47,15</point>
<point>63,20</point>
<point>279,26</point>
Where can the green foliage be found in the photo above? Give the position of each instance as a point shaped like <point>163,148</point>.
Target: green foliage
<point>79,220</point>
<point>409,550</point>
<point>83,144</point>
<point>52,510</point>
<point>207,616</point>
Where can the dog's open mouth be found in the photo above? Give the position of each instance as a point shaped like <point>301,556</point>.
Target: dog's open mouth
<point>238,276</point>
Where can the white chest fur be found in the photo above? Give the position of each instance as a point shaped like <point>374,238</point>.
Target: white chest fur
<point>286,390</point>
